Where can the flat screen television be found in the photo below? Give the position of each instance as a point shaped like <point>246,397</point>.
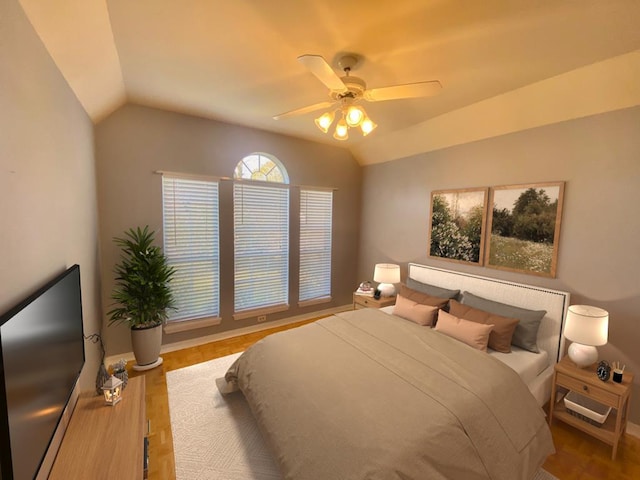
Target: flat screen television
<point>41,357</point>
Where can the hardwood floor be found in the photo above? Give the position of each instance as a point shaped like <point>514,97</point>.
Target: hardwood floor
<point>161,462</point>
<point>578,456</point>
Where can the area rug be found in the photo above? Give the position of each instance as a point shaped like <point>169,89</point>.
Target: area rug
<point>216,437</point>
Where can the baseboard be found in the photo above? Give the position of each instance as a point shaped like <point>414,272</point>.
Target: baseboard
<point>194,342</point>
<point>633,429</point>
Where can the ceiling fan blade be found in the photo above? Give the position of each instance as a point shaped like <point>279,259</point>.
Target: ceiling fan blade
<point>323,72</point>
<point>303,110</point>
<point>410,90</point>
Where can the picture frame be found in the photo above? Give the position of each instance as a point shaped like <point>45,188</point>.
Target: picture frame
<point>523,228</point>
<point>457,220</point>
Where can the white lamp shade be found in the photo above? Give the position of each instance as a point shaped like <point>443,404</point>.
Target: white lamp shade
<point>386,273</point>
<point>587,325</point>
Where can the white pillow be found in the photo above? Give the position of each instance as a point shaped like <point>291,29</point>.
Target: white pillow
<point>474,334</point>
<point>416,312</point>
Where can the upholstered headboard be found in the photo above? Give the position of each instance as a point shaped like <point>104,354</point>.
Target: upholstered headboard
<point>521,295</point>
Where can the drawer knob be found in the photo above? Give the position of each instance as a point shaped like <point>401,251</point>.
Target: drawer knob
<point>585,388</point>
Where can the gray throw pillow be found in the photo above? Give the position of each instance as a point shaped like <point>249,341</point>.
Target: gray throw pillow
<point>526,333</point>
<point>431,289</point>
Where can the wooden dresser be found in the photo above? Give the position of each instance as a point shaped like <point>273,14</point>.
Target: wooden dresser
<point>103,441</point>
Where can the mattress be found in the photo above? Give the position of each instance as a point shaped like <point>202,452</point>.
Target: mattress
<point>527,365</point>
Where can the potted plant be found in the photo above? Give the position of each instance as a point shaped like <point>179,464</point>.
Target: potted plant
<point>142,295</point>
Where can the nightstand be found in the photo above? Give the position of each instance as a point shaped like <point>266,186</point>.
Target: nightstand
<point>584,381</point>
<point>363,301</point>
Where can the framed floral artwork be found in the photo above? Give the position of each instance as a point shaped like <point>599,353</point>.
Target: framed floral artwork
<point>457,221</point>
<point>524,228</point>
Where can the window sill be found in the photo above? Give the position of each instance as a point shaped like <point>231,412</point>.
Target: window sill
<point>185,325</point>
<point>314,301</point>
<point>256,312</point>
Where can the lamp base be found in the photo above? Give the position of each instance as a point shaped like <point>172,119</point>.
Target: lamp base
<point>583,355</point>
<point>387,289</point>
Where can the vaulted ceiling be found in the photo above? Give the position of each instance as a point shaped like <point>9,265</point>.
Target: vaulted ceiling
<point>504,65</point>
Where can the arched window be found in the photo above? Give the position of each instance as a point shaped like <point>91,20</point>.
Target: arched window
<point>261,236</point>
<point>261,167</point>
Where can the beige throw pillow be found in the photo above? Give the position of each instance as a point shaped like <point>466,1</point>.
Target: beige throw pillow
<point>414,311</point>
<point>474,334</point>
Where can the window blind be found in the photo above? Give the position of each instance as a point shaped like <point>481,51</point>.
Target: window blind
<point>261,248</point>
<point>191,244</point>
<point>316,212</point>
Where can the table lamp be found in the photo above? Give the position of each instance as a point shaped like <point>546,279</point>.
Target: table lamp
<point>387,274</point>
<point>587,327</point>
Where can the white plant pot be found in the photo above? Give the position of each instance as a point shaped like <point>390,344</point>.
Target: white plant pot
<point>146,344</point>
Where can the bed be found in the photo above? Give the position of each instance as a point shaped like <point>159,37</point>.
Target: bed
<point>536,370</point>
<point>369,395</point>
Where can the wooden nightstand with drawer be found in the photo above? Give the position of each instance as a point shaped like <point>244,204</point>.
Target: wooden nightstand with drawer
<point>584,381</point>
<point>364,301</point>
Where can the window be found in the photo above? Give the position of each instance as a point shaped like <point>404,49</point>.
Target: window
<point>191,236</point>
<point>262,167</point>
<point>261,241</point>
<point>316,209</point>
<point>261,236</point>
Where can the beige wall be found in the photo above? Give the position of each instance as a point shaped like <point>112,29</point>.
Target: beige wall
<point>135,141</point>
<point>47,177</point>
<point>599,257</point>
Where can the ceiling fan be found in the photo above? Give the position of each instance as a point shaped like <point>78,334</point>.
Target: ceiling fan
<point>347,91</point>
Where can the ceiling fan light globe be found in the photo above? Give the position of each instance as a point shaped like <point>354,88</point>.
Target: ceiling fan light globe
<point>339,137</point>
<point>324,121</point>
<point>342,130</point>
<point>367,126</point>
<point>354,116</point>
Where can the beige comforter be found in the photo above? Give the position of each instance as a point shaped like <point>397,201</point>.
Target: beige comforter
<point>366,395</point>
